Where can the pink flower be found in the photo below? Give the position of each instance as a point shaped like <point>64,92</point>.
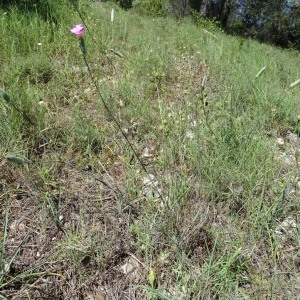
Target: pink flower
<point>78,30</point>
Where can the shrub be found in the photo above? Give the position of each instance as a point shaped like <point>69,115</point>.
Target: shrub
<point>178,8</point>
<point>126,4</point>
<point>49,10</point>
<point>211,25</point>
<point>155,8</point>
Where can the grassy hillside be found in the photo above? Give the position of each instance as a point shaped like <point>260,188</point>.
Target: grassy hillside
<point>161,165</point>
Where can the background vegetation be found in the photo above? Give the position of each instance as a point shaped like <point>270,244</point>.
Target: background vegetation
<point>275,22</point>
<point>174,177</point>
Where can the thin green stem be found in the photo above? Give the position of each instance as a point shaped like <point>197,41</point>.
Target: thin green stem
<point>111,115</point>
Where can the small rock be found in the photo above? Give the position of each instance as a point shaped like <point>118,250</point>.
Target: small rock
<point>151,189</point>
<point>287,159</point>
<point>280,141</point>
<point>291,193</point>
<point>13,226</point>
<point>127,268</point>
<point>22,227</point>
<point>149,180</point>
<point>16,225</point>
<point>286,229</point>
<point>292,137</point>
<point>190,135</point>
<point>146,153</point>
<point>131,268</point>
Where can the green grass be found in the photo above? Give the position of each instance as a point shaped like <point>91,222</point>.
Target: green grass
<point>206,203</point>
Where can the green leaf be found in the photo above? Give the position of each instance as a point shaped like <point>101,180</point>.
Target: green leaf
<point>260,72</point>
<point>152,279</point>
<point>297,82</point>
<point>5,96</point>
<point>82,46</point>
<point>16,160</point>
<point>74,3</point>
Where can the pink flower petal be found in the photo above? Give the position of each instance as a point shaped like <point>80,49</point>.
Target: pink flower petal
<point>78,29</point>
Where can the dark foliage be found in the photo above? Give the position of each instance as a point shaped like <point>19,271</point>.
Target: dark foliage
<point>126,4</point>
<point>275,21</point>
<point>42,7</point>
<point>271,21</point>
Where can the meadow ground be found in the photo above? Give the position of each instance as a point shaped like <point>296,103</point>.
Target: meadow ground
<point>163,166</point>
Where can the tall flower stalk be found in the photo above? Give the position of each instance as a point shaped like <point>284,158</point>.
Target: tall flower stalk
<point>78,30</point>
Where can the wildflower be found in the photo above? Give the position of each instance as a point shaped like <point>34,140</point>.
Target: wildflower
<point>78,30</point>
